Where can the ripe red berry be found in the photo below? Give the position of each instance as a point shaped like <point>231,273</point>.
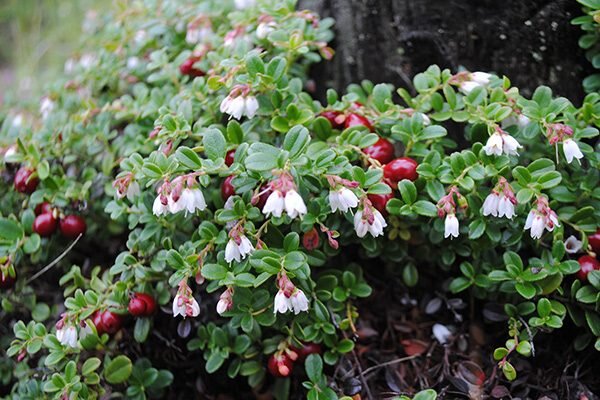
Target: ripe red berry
<point>587,264</point>
<point>72,226</point>
<point>280,366</point>
<point>141,305</point>
<point>24,182</point>
<point>43,208</point>
<point>227,189</point>
<point>333,117</point>
<point>229,157</point>
<point>7,281</point>
<point>106,322</point>
<point>356,120</point>
<point>594,241</point>
<point>310,240</point>
<point>307,349</point>
<point>45,224</point>
<point>187,67</point>
<point>379,201</point>
<point>382,151</point>
<point>401,168</point>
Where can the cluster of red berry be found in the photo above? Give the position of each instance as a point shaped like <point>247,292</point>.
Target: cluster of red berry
<point>589,263</point>
<point>281,363</point>
<point>227,189</point>
<point>140,305</point>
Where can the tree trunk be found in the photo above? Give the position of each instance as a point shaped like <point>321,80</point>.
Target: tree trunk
<point>530,41</point>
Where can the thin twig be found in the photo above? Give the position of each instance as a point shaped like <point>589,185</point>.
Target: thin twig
<point>56,260</point>
<point>385,364</point>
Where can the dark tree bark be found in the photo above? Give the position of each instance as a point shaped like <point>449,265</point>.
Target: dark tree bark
<point>530,41</point>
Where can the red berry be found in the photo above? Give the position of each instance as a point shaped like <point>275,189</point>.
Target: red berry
<point>310,240</point>
<point>141,305</point>
<point>43,208</point>
<point>7,281</point>
<point>280,366</point>
<point>72,226</point>
<point>594,241</point>
<point>379,201</point>
<point>106,322</point>
<point>262,199</point>
<point>306,350</point>
<point>333,117</point>
<point>356,120</point>
<point>24,182</point>
<point>187,67</point>
<point>587,264</point>
<point>382,151</point>
<point>229,157</point>
<point>401,168</point>
<point>227,189</point>
<point>45,224</point>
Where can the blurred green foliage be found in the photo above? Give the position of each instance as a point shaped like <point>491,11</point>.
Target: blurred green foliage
<point>36,38</point>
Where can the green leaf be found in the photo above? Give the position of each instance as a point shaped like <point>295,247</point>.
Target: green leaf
<point>10,230</point>
<point>525,289</point>
<point>90,365</point>
<point>118,370</point>
<point>425,208</point>
<point>428,394</point>
<point>408,191</point>
<point>296,141</point>
<point>314,367</point>
<point>141,329</point>
<point>214,362</point>
<point>214,144</point>
<point>235,134</point>
<point>214,272</point>
<point>550,179</point>
<point>188,158</point>
<point>254,64</point>
<point>477,228</point>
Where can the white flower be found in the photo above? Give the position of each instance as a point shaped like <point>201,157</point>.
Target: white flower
<point>251,106</point>
<point>158,208</point>
<point>185,306</point>
<point>299,301</point>
<point>342,199</point>
<point>189,200</point>
<point>67,336</point>
<point>426,119</point>
<point>506,208</point>
<point>133,62</point>
<point>451,226</point>
<point>510,145</point>
<point>197,35</point>
<point>294,205</point>
<point>441,333</point>
<point>46,107</point>
<point>69,66</point>
<point>494,145</point>
<point>482,78</point>
<point>282,303</point>
<point>572,245</point>
<point>571,150</point>
<point>264,28</point>
<point>140,36</point>
<point>243,4</point>
<point>237,252</point>
<point>536,222</point>
<point>519,120</point>
<point>362,224</point>
<point>274,204</point>
<point>85,330</point>
<point>222,306</point>
<point>86,61</point>
<point>468,86</point>
<point>490,205</point>
<point>239,106</point>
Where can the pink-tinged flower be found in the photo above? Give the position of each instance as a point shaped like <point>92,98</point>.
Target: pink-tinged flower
<point>501,201</point>
<point>369,220</point>
<point>541,217</point>
<point>225,302</point>
<point>342,199</point>
<point>238,247</point>
<point>264,28</point>
<point>46,107</point>
<point>160,206</point>
<point>483,78</point>
<point>275,204</point>
<point>571,150</point>
<point>490,205</point>
<point>184,303</point>
<point>126,186</point>
<point>289,297</point>
<point>573,245</point>
<point>189,200</point>
<point>299,301</point>
<point>66,334</point>
<point>239,103</point>
<point>501,142</point>
<point>451,226</point>
<point>294,205</point>
<point>284,196</point>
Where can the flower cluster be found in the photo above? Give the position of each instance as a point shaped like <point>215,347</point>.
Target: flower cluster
<point>541,217</point>
<point>289,297</point>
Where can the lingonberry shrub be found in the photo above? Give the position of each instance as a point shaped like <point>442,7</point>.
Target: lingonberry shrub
<point>184,146</point>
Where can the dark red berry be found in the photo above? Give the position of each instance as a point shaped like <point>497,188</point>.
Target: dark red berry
<point>72,226</point>
<point>382,151</point>
<point>7,281</point>
<point>187,67</point>
<point>24,182</point>
<point>227,189</point>
<point>43,208</point>
<point>587,264</point>
<point>310,240</point>
<point>229,157</point>
<point>45,224</point>
<point>594,241</point>
<point>334,118</point>
<point>357,120</point>
<point>106,322</point>
<point>379,201</point>
<point>401,168</point>
<point>306,350</point>
<point>141,305</point>
<point>280,366</point>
